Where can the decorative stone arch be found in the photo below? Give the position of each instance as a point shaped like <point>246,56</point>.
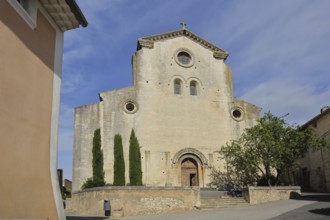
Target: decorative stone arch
<point>197,80</point>
<point>190,164</point>
<point>178,89</point>
<point>195,86</point>
<point>190,152</point>
<point>171,81</point>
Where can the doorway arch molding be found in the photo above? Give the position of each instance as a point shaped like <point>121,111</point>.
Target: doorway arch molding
<point>190,152</point>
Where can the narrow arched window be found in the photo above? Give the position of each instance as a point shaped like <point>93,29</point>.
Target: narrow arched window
<point>177,86</point>
<point>193,88</point>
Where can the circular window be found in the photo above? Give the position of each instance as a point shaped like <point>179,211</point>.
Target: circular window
<point>184,58</point>
<point>237,114</point>
<point>130,107</point>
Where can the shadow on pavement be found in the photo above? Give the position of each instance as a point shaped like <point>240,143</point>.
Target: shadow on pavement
<point>325,211</point>
<point>318,197</point>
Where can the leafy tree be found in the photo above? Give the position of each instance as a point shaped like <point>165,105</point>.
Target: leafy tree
<point>233,178</point>
<point>269,149</point>
<point>119,163</point>
<point>135,171</point>
<point>98,172</point>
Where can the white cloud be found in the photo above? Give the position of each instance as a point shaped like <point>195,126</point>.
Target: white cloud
<point>260,35</point>
<point>71,82</point>
<point>66,116</point>
<point>279,54</point>
<point>66,110</point>
<point>74,54</point>
<point>282,96</point>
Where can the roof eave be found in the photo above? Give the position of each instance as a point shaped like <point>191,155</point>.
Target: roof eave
<point>77,12</point>
<point>313,120</point>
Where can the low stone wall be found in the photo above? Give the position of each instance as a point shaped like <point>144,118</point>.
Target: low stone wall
<point>256,194</point>
<point>135,200</point>
<point>68,203</point>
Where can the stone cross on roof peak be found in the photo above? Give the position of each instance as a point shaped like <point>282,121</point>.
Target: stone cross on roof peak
<point>183,25</point>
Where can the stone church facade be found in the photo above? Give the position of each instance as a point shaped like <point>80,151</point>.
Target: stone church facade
<point>181,107</point>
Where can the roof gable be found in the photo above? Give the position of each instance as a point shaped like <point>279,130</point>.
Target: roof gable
<point>316,118</point>
<point>148,42</point>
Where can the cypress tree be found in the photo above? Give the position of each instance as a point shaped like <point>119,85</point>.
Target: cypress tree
<point>135,171</point>
<point>119,163</point>
<point>98,172</point>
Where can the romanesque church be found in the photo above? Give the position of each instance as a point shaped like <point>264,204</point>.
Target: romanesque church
<point>181,107</point>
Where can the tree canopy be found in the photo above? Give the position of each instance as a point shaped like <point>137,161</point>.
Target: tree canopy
<point>265,151</point>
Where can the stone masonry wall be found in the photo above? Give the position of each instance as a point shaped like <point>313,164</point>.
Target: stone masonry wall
<point>257,195</point>
<point>323,130</point>
<point>135,200</point>
<point>86,121</point>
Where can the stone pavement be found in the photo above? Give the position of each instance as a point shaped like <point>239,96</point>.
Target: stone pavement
<point>310,206</point>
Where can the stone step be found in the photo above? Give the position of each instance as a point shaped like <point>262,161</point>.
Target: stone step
<point>222,202</point>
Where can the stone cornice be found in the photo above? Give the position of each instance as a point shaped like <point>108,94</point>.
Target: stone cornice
<point>147,42</point>
<point>220,55</point>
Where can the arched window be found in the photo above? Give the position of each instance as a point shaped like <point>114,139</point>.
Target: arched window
<point>193,88</point>
<point>177,86</point>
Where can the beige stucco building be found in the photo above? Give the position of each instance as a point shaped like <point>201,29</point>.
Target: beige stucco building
<point>31,46</point>
<point>181,107</point>
<point>314,168</point>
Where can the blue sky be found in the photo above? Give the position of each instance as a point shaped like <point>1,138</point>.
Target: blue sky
<point>279,52</point>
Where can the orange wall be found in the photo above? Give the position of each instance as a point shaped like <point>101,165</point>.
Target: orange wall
<point>26,89</point>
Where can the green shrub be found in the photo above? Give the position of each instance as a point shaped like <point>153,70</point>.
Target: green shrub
<point>89,183</point>
<point>98,172</point>
<point>119,163</point>
<point>135,171</point>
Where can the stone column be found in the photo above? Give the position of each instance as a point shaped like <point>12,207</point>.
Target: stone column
<point>168,168</point>
<point>211,160</point>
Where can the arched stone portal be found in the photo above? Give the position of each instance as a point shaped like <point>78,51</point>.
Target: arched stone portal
<point>190,164</point>
<point>189,172</point>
